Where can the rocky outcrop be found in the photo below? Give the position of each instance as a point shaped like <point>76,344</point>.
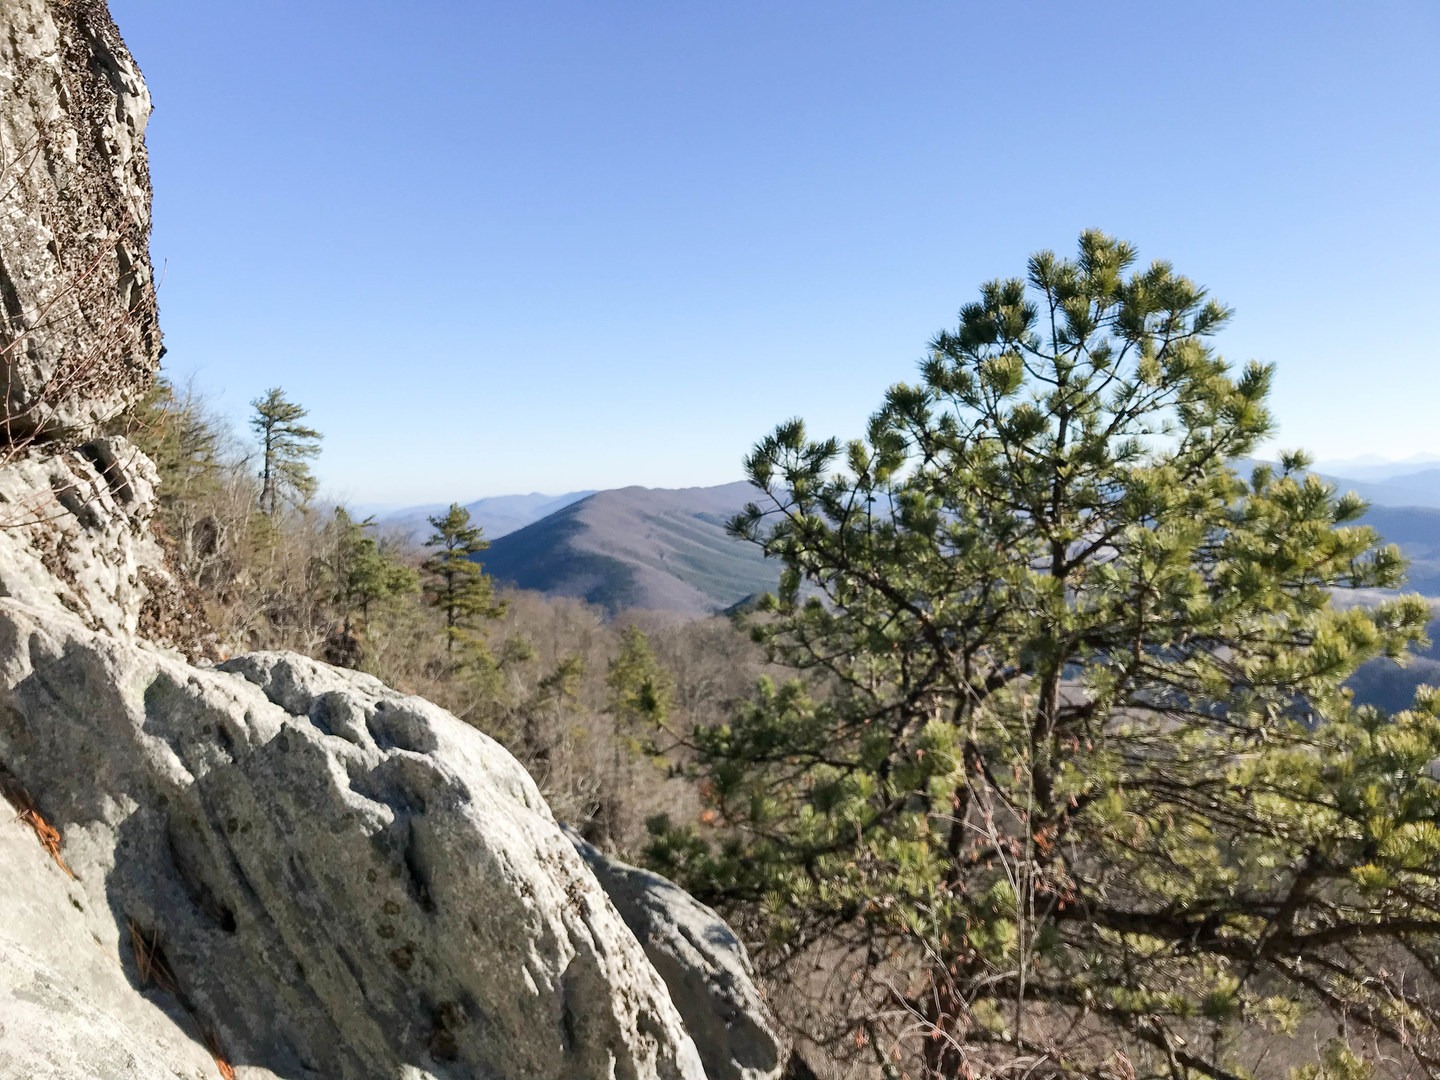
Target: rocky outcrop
<point>326,877</point>
<point>702,962</point>
<point>78,330</point>
<point>74,533</point>
<point>67,1008</point>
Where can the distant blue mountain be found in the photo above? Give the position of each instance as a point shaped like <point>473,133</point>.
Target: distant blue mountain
<point>1411,489</point>
<point>498,515</point>
<point>639,548</point>
<point>1390,486</point>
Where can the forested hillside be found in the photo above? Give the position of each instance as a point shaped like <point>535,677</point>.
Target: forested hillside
<point>555,679</point>
<point>640,549</point>
<point>666,733</point>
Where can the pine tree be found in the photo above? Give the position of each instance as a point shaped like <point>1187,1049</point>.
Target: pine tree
<point>640,690</point>
<point>286,446</point>
<point>184,441</point>
<point>638,700</point>
<point>457,584</point>
<point>1067,783</point>
<point>365,571</point>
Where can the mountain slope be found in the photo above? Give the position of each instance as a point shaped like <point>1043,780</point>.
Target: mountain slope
<point>655,549</point>
<point>497,515</point>
<point>1416,531</point>
<point>667,550</point>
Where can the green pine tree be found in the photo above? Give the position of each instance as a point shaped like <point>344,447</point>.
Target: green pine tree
<point>640,690</point>
<point>286,446</point>
<point>176,433</point>
<point>1067,783</point>
<point>457,584</point>
<point>365,571</point>
<point>638,700</point>
<point>173,430</point>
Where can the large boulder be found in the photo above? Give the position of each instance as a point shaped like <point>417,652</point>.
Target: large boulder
<point>78,330</point>
<point>702,962</point>
<point>313,874</point>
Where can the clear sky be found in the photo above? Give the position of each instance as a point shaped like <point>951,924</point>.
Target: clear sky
<point>507,247</point>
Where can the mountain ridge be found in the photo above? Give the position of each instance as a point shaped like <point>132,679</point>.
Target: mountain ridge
<point>497,515</point>
<point>667,549</point>
<point>660,549</point>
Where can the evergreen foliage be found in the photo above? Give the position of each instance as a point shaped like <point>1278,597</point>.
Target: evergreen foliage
<point>639,697</point>
<point>458,586</point>
<point>640,689</point>
<point>1067,783</point>
<point>366,571</point>
<point>197,469</point>
<point>173,430</point>
<point>286,445</point>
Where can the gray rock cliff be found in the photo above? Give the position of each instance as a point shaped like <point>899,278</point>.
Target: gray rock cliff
<point>78,327</point>
<point>342,881</point>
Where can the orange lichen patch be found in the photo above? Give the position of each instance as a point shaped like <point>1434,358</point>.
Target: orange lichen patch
<point>29,813</point>
<point>150,962</point>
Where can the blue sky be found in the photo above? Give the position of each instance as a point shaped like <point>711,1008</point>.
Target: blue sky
<point>560,245</point>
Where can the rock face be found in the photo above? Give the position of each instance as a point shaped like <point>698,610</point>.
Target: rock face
<point>328,878</point>
<point>74,535</point>
<point>78,330</point>
<point>67,1008</point>
<point>702,962</point>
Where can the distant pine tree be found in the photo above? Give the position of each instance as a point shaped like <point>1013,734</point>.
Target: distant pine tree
<point>455,581</point>
<point>178,434</point>
<point>365,571</point>
<point>640,695</point>
<point>285,447</point>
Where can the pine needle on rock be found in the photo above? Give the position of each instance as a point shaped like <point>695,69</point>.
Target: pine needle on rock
<point>29,813</point>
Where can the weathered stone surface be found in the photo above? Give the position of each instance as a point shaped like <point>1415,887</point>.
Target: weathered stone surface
<point>345,881</point>
<point>78,330</point>
<point>74,533</point>
<point>702,962</point>
<point>66,1007</point>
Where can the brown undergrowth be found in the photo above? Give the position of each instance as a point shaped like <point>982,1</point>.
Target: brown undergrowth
<point>151,964</point>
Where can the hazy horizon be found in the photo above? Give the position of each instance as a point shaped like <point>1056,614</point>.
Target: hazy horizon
<point>1419,461</point>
